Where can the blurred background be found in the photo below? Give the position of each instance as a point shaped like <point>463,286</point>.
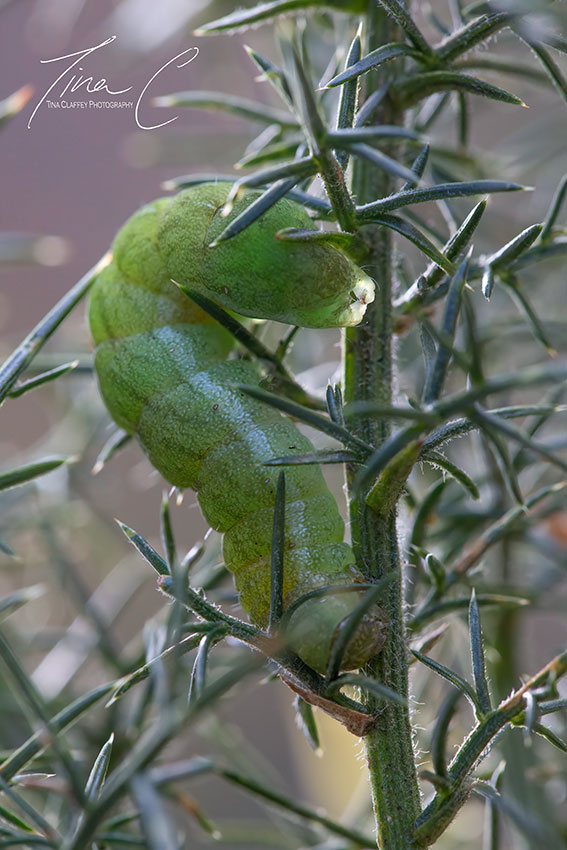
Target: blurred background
<point>76,175</point>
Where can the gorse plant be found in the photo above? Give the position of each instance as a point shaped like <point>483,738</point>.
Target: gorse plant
<point>332,199</point>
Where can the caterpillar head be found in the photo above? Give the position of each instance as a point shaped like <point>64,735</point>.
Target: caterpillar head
<point>310,284</point>
<point>315,624</point>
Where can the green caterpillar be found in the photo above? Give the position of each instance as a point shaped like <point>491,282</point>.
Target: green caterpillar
<point>164,375</point>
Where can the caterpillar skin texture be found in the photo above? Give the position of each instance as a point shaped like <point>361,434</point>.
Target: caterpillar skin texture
<point>254,273</point>
<point>163,373</point>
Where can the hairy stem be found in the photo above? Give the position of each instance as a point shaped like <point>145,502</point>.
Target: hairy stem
<point>368,372</point>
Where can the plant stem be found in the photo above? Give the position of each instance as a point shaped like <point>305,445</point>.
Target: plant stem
<point>368,369</point>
